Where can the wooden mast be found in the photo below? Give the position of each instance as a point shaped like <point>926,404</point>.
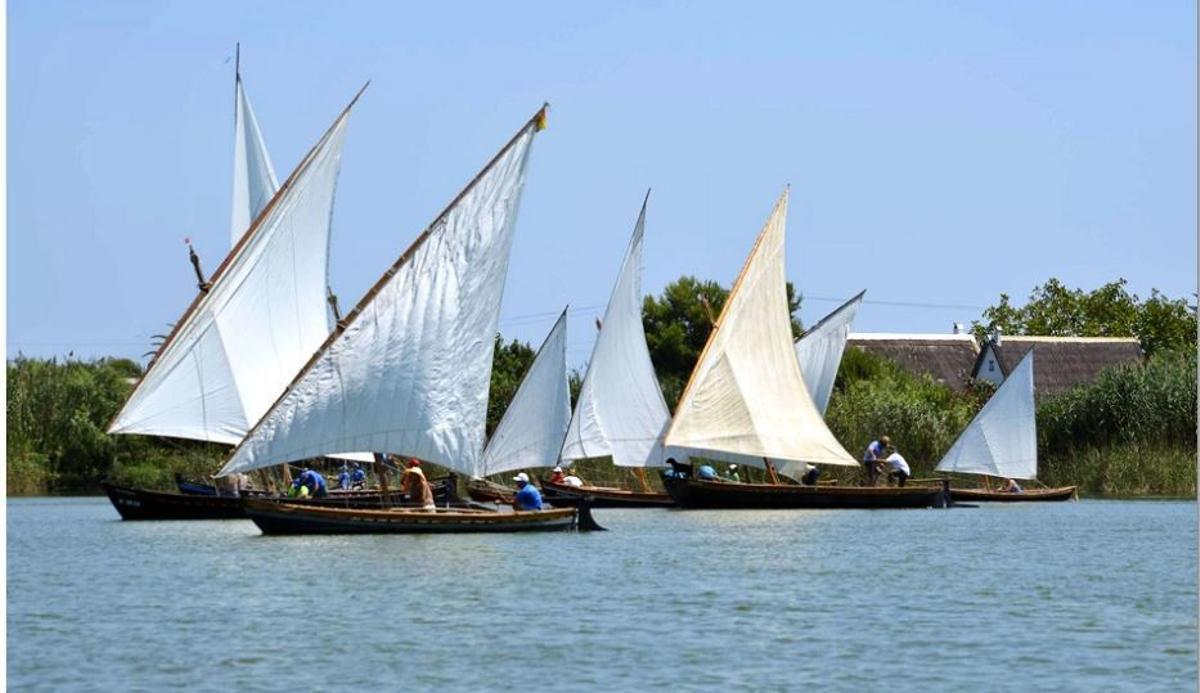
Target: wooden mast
<point>537,121</point>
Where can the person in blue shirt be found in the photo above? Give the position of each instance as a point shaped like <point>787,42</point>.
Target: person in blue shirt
<point>314,482</point>
<point>358,478</point>
<point>527,496</point>
<point>344,478</point>
<point>707,473</point>
<point>873,458</point>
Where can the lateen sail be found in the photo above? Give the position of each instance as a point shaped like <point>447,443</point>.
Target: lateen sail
<point>621,411</point>
<point>820,349</point>
<point>746,399</point>
<point>531,430</point>
<point>409,372</point>
<point>1002,438</point>
<point>240,343</point>
<point>254,182</point>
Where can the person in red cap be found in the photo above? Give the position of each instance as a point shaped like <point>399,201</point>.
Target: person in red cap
<point>416,485</point>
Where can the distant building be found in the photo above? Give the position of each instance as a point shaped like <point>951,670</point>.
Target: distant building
<point>947,358</point>
<point>1060,363</point>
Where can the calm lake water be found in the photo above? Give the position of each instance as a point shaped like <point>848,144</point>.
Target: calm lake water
<point>1080,596</point>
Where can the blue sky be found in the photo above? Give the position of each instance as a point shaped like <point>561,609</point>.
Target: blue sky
<point>939,153</point>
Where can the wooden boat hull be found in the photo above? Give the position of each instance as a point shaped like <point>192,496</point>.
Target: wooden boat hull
<point>1033,495</point>
<point>697,494</point>
<point>274,517</point>
<point>144,504</point>
<point>562,495</point>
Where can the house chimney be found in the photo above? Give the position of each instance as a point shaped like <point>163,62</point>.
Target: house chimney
<point>997,335</point>
<point>958,328</point>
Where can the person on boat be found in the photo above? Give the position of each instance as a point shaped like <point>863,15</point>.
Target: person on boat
<point>358,477</point>
<point>900,470</point>
<point>574,480</point>
<point>1011,486</point>
<point>707,473</point>
<point>873,456</point>
<point>811,474</point>
<point>344,478</point>
<point>416,485</point>
<point>732,475</point>
<point>557,476</point>
<point>310,483</point>
<point>527,496</point>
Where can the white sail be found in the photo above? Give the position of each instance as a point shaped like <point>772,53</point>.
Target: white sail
<point>531,430</point>
<point>409,371</point>
<point>254,182</point>
<point>746,399</point>
<point>240,343</point>
<point>1002,438</point>
<point>820,349</point>
<point>620,410</point>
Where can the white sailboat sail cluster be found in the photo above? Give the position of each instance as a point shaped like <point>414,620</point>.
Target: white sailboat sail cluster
<point>1001,440</point>
<point>409,371</point>
<point>242,340</point>
<point>531,431</point>
<point>621,411</point>
<point>254,182</point>
<point>747,399</point>
<point>820,350</point>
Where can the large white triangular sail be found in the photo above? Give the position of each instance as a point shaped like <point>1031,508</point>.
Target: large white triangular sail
<point>531,430</point>
<point>746,399</point>
<point>242,341</point>
<point>254,182</point>
<point>407,371</point>
<point>620,410</point>
<point>1002,438</point>
<point>820,349</point>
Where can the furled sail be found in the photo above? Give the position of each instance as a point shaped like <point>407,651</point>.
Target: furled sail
<point>531,431</point>
<point>407,371</point>
<point>820,350</point>
<point>746,399</point>
<point>1002,438</point>
<point>620,410</point>
<point>242,341</point>
<point>254,182</point>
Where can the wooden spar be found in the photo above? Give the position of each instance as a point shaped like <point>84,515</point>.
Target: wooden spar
<point>333,303</point>
<point>238,248</point>
<point>771,475</point>
<point>724,309</point>
<point>195,260</point>
<point>640,473</point>
<point>535,121</point>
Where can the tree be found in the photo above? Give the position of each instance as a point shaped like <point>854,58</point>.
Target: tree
<point>1110,311</point>
<point>677,324</point>
<point>509,364</point>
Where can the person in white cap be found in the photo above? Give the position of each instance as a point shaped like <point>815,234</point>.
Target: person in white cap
<point>527,496</point>
<point>573,480</point>
<point>556,476</point>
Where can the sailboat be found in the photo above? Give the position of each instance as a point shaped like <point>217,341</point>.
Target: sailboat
<point>746,401</point>
<point>252,325</point>
<point>407,370</point>
<point>1001,441</point>
<point>531,431</point>
<point>620,412</point>
<point>819,350</point>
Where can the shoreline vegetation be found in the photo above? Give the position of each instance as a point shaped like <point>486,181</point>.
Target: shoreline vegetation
<point>1130,433</point>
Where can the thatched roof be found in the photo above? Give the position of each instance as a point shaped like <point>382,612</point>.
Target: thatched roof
<point>1061,363</point>
<point>947,358</point>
